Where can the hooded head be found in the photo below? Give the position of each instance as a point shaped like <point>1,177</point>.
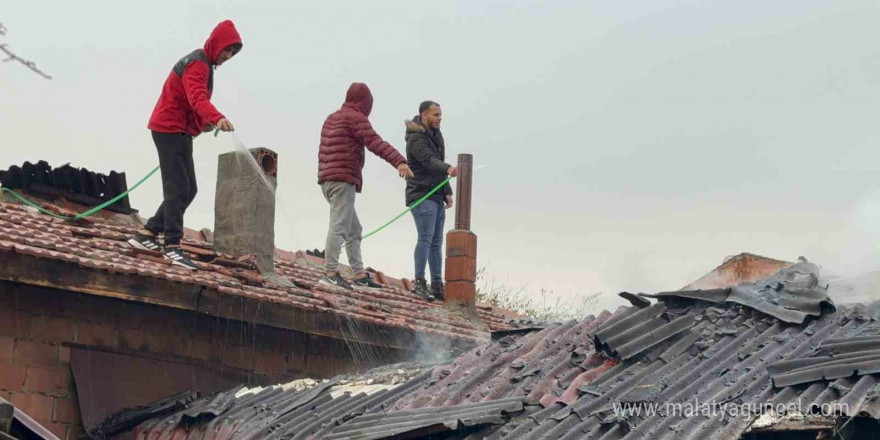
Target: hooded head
<point>359,98</point>
<point>223,36</point>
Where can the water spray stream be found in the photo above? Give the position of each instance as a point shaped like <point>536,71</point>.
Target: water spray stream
<point>246,160</point>
<point>245,157</point>
<point>364,355</point>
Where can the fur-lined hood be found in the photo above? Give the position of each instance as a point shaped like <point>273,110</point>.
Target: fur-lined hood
<point>425,154</point>
<point>414,125</point>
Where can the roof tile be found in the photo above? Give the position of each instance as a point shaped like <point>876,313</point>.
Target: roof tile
<point>100,244</point>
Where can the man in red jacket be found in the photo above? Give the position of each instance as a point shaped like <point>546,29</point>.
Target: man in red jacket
<point>340,159</point>
<point>184,111</point>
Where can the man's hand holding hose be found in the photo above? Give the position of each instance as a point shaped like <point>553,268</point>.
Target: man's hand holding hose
<point>452,172</point>
<point>222,125</point>
<point>404,171</point>
<point>225,125</point>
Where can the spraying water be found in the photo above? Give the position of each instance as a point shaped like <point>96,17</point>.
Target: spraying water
<point>365,356</point>
<point>244,158</point>
<point>247,164</point>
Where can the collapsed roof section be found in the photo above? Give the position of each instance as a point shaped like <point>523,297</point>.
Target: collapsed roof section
<point>736,269</point>
<point>790,295</point>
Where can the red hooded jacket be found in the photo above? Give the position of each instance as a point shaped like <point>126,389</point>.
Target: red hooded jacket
<point>344,136</point>
<point>185,104</point>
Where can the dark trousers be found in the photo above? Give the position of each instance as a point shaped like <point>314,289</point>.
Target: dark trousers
<point>178,184</point>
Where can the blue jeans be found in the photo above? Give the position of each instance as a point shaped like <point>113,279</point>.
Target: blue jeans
<point>429,217</point>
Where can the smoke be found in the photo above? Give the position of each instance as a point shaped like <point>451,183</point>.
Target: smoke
<point>853,272</point>
<point>866,216</point>
<point>429,348</point>
<point>434,350</point>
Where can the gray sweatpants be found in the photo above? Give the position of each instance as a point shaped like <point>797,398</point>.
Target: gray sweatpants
<point>345,228</point>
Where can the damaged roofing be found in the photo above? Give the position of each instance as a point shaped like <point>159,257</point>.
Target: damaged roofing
<point>572,376</point>
<point>342,408</point>
<point>790,295</point>
<point>97,245</point>
<point>76,184</point>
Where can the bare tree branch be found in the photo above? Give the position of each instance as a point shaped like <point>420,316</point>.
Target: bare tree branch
<point>10,56</point>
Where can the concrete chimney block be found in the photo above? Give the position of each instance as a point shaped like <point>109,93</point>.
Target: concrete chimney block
<point>244,206</point>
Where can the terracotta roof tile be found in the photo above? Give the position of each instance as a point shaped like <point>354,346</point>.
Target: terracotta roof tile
<point>100,244</point>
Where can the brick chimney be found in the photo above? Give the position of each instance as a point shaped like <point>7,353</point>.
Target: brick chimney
<point>244,207</point>
<point>461,243</point>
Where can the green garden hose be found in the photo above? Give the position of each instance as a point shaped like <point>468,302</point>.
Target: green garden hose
<point>410,208</point>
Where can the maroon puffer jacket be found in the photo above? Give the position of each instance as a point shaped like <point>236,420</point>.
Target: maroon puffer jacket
<point>344,136</point>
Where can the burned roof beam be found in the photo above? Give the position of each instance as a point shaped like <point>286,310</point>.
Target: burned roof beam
<point>77,185</point>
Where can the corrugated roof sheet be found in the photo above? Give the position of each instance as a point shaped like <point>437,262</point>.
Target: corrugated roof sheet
<point>418,398</point>
<point>727,354</point>
<point>99,244</point>
<point>381,425</point>
<point>328,411</point>
<point>128,419</point>
<point>633,334</point>
<point>725,363</point>
<point>723,358</point>
<point>791,295</point>
<point>833,359</point>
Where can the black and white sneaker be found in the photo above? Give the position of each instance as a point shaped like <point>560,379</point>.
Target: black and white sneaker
<point>179,258</point>
<point>335,280</point>
<point>145,242</point>
<point>366,283</point>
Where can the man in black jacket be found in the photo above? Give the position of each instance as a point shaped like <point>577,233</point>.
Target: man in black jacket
<point>425,155</point>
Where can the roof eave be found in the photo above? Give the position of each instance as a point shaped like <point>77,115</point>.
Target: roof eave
<point>63,275</point>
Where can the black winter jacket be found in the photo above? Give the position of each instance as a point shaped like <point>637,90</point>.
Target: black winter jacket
<point>425,155</point>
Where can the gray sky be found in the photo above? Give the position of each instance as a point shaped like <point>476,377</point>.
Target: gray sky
<point>632,144</point>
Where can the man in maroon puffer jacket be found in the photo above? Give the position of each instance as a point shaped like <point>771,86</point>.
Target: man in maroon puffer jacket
<point>340,159</point>
<point>184,110</point>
